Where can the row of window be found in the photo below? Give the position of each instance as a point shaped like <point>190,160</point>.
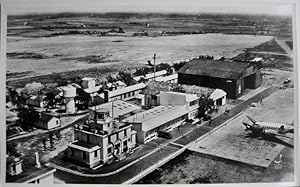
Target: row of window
<point>166,125</point>
<point>123,96</point>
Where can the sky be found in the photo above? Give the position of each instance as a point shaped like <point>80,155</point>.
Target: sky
<point>17,7</point>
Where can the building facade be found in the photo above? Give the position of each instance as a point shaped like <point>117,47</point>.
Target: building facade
<point>126,93</point>
<point>147,123</point>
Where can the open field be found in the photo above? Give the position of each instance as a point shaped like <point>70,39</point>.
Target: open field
<point>69,53</point>
<point>53,43</point>
<point>152,24</point>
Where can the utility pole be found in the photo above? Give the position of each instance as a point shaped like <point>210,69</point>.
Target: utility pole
<point>154,67</point>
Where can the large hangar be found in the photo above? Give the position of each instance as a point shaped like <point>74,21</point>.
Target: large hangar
<point>232,77</point>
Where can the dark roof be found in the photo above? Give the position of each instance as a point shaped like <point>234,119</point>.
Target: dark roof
<point>154,88</point>
<point>214,68</point>
<point>47,117</point>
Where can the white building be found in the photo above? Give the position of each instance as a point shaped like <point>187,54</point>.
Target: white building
<point>219,97</point>
<point>169,78</point>
<point>151,76</point>
<point>89,85</point>
<point>126,93</point>
<point>173,110</point>
<point>147,123</point>
<point>102,140</point>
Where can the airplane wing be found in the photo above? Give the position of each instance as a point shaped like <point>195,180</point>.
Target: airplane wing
<point>273,138</point>
<point>280,135</point>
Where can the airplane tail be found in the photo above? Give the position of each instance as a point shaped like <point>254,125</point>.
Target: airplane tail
<point>251,119</point>
<point>247,126</point>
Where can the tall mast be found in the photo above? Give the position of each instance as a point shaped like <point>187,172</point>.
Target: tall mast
<point>154,67</point>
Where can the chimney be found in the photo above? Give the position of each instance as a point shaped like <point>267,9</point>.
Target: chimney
<point>37,160</point>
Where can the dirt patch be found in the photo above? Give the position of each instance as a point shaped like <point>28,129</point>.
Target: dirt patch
<point>269,46</point>
<point>92,59</point>
<point>29,55</point>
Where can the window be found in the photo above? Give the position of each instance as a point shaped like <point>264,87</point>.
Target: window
<point>125,143</point>
<point>83,156</point>
<point>109,150</point>
<point>87,138</point>
<point>56,122</point>
<point>125,132</point>
<point>96,153</point>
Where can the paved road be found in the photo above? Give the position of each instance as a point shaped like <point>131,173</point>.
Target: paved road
<point>166,151</point>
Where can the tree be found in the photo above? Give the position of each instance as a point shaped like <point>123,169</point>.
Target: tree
<point>205,104</point>
<point>126,78</point>
<point>164,66</point>
<point>111,79</point>
<point>32,88</point>
<point>50,100</point>
<point>83,99</point>
<point>179,65</point>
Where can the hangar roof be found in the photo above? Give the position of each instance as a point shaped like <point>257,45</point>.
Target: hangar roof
<point>215,68</point>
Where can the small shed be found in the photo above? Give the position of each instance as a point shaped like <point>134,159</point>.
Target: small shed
<point>47,121</point>
<point>219,97</point>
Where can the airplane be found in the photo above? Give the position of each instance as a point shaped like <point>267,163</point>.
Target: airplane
<point>260,129</point>
<point>281,128</point>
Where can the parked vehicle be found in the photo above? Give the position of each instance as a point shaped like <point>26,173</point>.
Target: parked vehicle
<point>164,134</point>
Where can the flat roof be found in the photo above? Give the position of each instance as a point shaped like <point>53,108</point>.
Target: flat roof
<point>215,68</point>
<point>88,78</point>
<point>126,89</point>
<point>83,146</point>
<point>156,116</point>
<point>167,78</point>
<point>189,97</point>
<point>120,108</point>
<point>157,73</point>
<point>92,90</point>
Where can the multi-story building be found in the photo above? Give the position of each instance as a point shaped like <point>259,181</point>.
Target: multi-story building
<point>101,140</point>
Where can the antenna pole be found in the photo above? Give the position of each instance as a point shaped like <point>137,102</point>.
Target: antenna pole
<point>112,109</point>
<point>154,66</point>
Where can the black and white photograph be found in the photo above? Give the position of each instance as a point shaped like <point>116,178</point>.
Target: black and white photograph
<point>150,92</point>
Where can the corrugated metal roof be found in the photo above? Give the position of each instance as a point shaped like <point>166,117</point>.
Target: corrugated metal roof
<point>120,108</point>
<point>214,68</point>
